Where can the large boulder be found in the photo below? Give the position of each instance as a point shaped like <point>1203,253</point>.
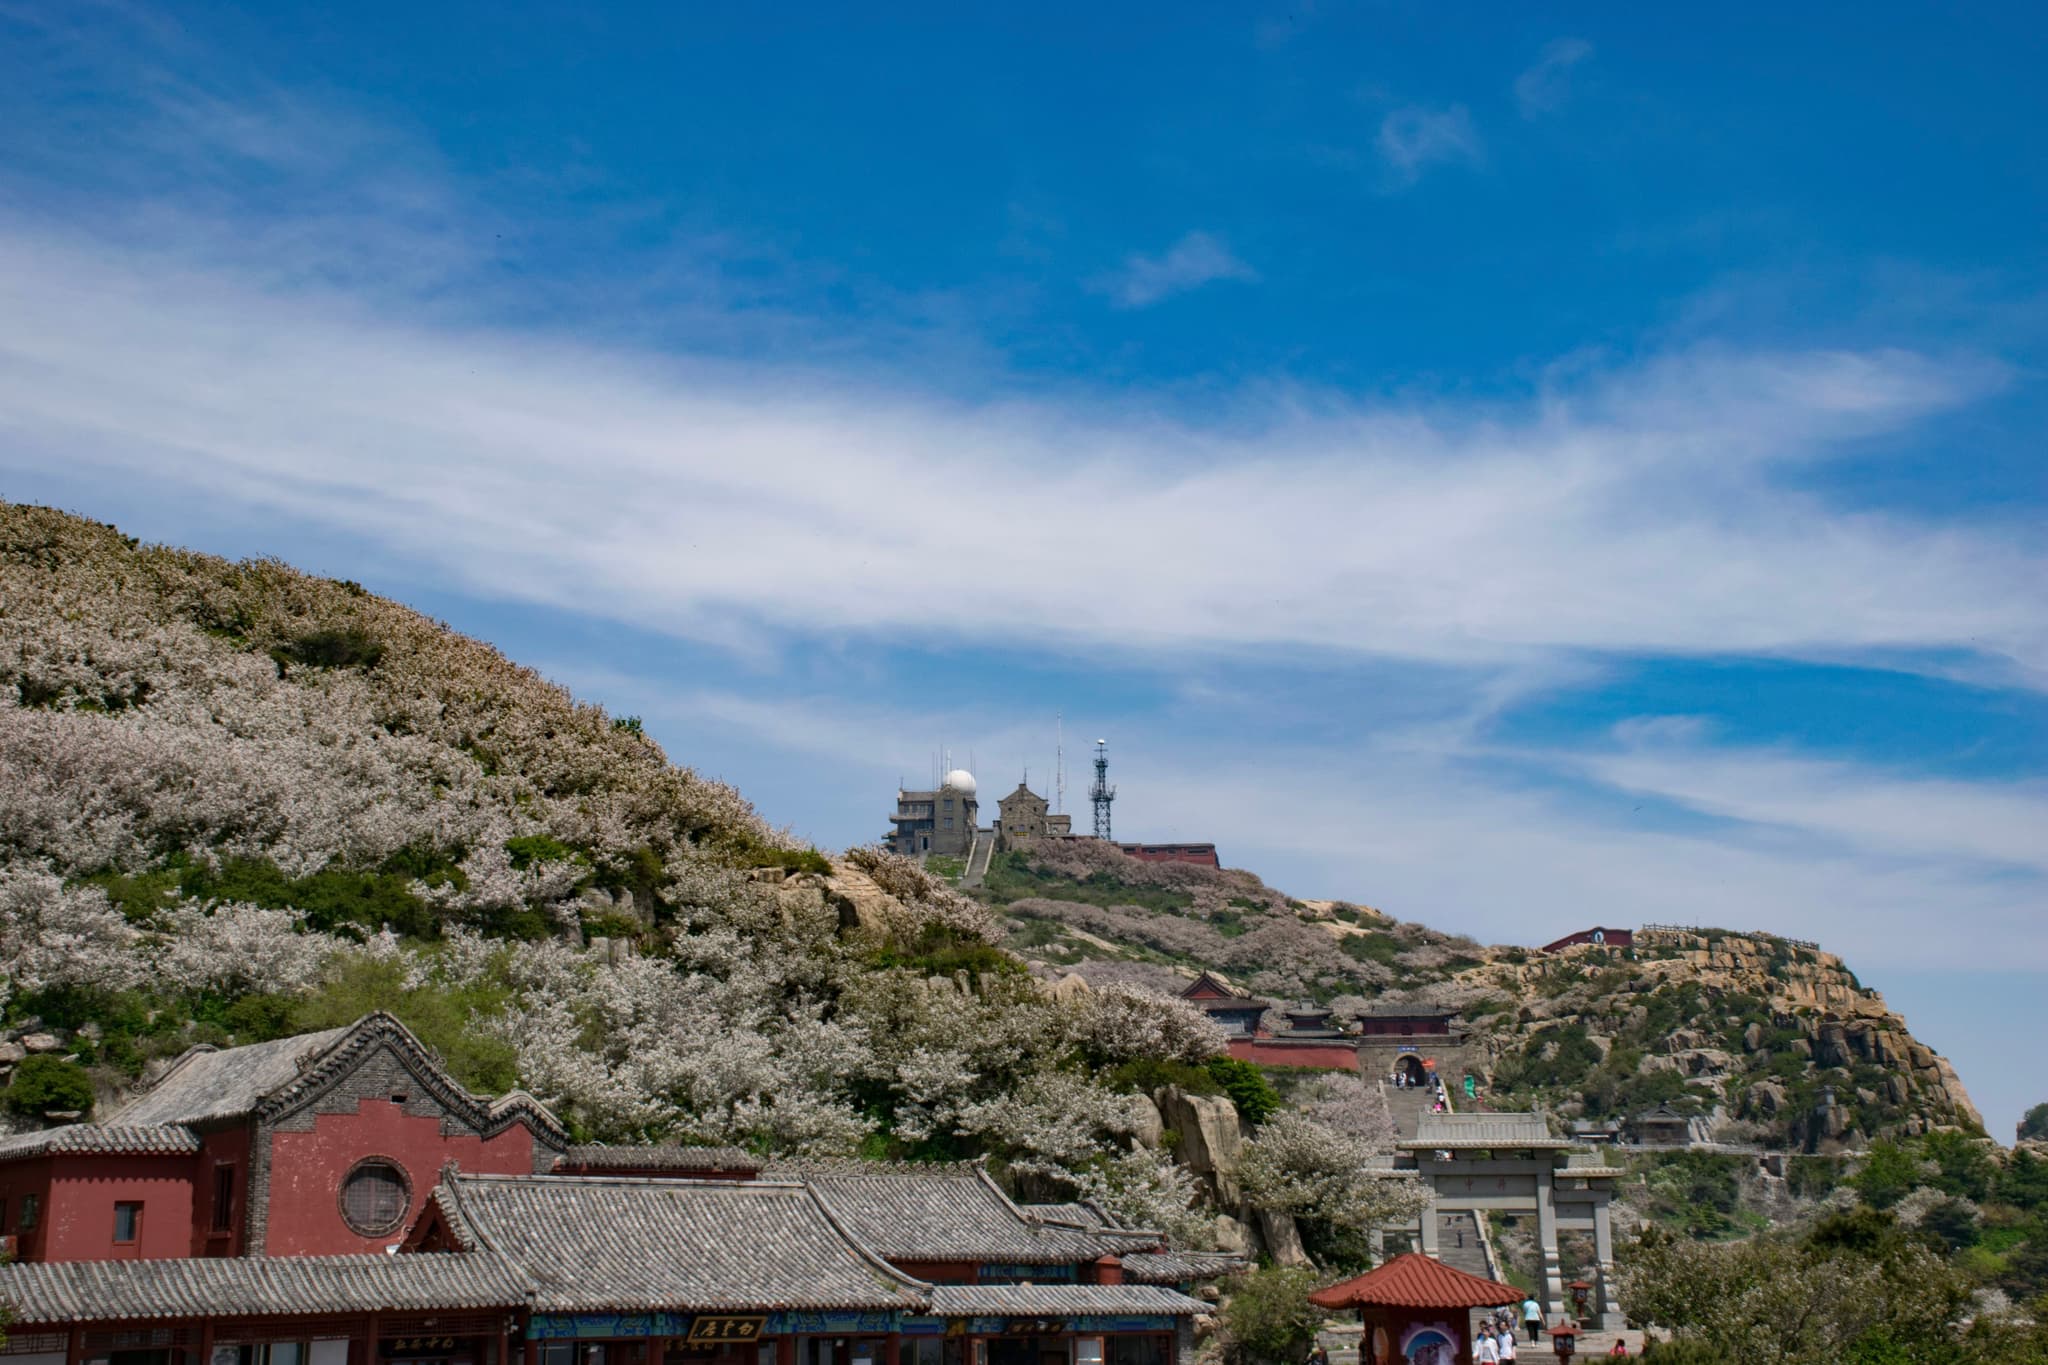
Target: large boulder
<point>1209,1139</point>
<point>1148,1126</point>
<point>1229,1234</point>
<point>1281,1239</point>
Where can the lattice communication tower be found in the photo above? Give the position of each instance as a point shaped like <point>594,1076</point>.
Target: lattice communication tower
<point>1102,793</point>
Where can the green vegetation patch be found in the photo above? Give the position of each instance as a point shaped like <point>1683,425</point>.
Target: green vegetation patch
<point>1010,877</point>
<point>45,1085</point>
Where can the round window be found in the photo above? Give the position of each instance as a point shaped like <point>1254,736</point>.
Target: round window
<point>374,1196</point>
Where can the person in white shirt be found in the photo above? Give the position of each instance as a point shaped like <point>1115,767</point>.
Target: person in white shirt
<point>1484,1351</point>
<point>1506,1345</point>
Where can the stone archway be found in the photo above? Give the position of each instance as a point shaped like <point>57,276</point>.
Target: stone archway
<point>1411,1069</point>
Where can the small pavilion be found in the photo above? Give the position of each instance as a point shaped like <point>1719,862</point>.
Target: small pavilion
<point>1415,1310</point>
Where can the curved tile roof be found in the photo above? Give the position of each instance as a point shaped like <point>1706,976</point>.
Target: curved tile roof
<point>625,1244</point>
<point>1179,1267</point>
<point>597,1157</point>
<point>49,1293</point>
<point>168,1139</point>
<point>1451,1132</point>
<point>208,1084</point>
<point>913,1212</point>
<point>1051,1300</point>
<point>211,1085</point>
<point>1412,1280</point>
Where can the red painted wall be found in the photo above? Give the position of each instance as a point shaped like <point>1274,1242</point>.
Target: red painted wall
<point>306,1171</point>
<point>942,1272</point>
<point>17,1179</point>
<point>1612,938</point>
<point>1405,1028</point>
<point>1332,1056</point>
<point>230,1146</point>
<point>78,1216</point>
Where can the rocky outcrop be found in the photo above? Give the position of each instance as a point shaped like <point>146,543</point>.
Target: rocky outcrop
<point>1281,1239</point>
<point>1208,1140</point>
<point>1820,1018</point>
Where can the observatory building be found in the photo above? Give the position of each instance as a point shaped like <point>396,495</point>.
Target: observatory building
<point>942,821</point>
<point>1026,816</point>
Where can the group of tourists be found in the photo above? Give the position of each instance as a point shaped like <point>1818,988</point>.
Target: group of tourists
<point>1494,1341</point>
<point>1439,1103</point>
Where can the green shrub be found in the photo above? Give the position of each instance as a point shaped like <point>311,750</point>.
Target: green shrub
<point>1371,947</point>
<point>529,849</point>
<point>2034,1124</point>
<point>1248,1088</point>
<point>443,1018</point>
<point>45,1084</point>
<point>1148,1074</point>
<point>1268,1319</point>
<point>345,647</point>
<point>1011,877</point>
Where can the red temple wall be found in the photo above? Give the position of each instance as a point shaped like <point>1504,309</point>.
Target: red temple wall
<point>78,1214</point>
<point>229,1146</point>
<point>18,1179</point>
<point>306,1171</point>
<point>1324,1056</point>
<point>942,1272</point>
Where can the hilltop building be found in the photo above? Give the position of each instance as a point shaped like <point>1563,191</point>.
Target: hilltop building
<point>943,821</point>
<point>1024,817</point>
<point>1234,1011</point>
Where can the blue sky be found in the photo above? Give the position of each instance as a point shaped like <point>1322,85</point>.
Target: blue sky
<point>1515,466</point>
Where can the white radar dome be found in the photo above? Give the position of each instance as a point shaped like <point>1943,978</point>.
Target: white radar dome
<point>960,780</point>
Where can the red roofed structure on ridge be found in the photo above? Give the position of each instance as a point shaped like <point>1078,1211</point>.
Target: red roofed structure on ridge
<point>1413,1280</point>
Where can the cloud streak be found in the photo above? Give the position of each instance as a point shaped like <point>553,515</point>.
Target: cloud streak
<point>1193,261</point>
<point>1413,138</point>
<point>1546,86</point>
<point>1640,510</point>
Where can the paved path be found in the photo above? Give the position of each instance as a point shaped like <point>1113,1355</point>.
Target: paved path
<point>978,853</point>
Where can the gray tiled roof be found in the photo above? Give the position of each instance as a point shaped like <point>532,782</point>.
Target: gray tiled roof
<point>1179,1267</point>
<point>1048,1300</point>
<point>597,1157</point>
<point>625,1244</point>
<point>157,1140</point>
<point>209,1084</point>
<point>253,1286</point>
<point>915,1212</point>
<point>1080,1214</point>
<point>1453,1131</point>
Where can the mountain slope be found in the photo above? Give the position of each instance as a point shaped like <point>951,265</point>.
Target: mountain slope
<point>1748,1030</point>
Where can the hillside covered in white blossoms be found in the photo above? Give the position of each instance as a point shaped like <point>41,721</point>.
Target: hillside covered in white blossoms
<point>237,801</point>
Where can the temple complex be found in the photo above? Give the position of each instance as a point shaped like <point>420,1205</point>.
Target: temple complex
<point>224,1217</point>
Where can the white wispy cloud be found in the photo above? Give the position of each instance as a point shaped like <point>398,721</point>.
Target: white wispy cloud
<point>1547,84</point>
<point>1193,261</point>
<point>1413,138</point>
<point>1638,510</point>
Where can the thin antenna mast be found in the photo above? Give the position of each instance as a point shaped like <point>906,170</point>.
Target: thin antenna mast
<point>1059,762</point>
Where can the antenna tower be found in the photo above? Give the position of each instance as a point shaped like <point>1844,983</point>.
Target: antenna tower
<point>1102,793</point>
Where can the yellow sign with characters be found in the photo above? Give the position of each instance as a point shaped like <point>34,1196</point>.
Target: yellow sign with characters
<point>726,1329</point>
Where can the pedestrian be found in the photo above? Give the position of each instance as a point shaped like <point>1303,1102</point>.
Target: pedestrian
<point>1485,1351</point>
<point>1532,1318</point>
<point>1317,1355</point>
<point>1506,1342</point>
<point>1620,1349</point>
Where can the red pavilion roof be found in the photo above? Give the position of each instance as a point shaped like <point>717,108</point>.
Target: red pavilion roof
<point>1413,1280</point>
